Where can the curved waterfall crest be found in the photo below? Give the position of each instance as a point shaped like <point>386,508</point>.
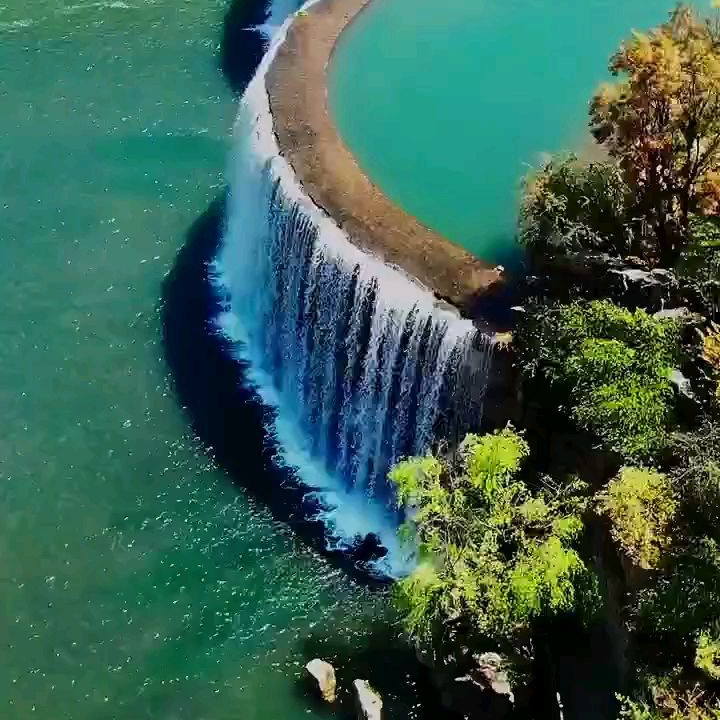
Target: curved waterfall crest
<point>360,362</point>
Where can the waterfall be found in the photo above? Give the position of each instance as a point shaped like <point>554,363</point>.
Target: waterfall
<point>360,362</point>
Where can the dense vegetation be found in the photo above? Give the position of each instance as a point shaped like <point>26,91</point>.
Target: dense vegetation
<point>494,555</point>
<point>660,126</point>
<point>618,342</point>
<point>611,368</point>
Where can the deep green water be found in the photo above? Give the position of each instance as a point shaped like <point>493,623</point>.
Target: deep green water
<point>135,580</point>
<point>447,104</point>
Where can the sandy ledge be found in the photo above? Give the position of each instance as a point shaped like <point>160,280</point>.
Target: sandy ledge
<point>310,142</point>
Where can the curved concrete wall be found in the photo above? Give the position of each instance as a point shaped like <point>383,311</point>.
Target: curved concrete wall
<point>296,83</point>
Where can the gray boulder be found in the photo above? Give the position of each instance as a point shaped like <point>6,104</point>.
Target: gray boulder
<point>368,703</point>
<point>650,289</point>
<point>489,672</point>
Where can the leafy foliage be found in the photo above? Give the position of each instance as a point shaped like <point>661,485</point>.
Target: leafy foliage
<point>494,555</point>
<point>711,348</point>
<point>699,265</point>
<point>569,206</point>
<point>613,367</point>
<point>707,655</point>
<point>711,354</point>
<point>661,121</point>
<point>696,475</point>
<point>657,198</point>
<point>641,507</point>
<point>683,601</point>
<point>671,705</point>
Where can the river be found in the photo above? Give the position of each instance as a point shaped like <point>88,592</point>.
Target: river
<point>136,580</point>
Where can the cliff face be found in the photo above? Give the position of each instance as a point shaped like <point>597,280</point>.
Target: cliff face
<point>309,141</point>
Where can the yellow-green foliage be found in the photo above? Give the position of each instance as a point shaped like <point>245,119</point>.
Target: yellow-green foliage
<point>640,506</point>
<point>707,655</point>
<point>543,578</point>
<point>711,353</point>
<point>493,555</point>
<point>672,706</point>
<point>491,460</point>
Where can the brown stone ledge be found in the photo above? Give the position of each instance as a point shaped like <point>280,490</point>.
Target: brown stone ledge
<point>309,141</point>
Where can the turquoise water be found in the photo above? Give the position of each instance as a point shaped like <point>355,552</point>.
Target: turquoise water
<point>136,582</point>
<point>446,105</point>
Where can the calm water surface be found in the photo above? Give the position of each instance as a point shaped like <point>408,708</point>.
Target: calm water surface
<point>135,580</point>
<point>447,104</point>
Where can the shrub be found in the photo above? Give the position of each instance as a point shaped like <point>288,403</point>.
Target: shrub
<point>696,474</point>
<point>711,354</point>
<point>569,206</point>
<point>493,555</point>
<point>641,507</point>
<point>611,365</point>
<point>707,655</point>
<point>672,705</point>
<point>682,601</point>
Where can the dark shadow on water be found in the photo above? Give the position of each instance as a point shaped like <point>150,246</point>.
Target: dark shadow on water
<point>381,657</point>
<point>225,412</point>
<point>495,308</point>
<point>242,46</point>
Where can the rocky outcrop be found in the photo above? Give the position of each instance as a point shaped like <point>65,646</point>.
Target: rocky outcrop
<point>485,690</point>
<point>472,685</point>
<point>368,703</point>
<point>322,674</point>
<point>627,281</point>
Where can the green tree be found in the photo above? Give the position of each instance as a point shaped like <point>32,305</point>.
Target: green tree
<point>494,556</point>
<point>570,206</point>
<point>610,366</point>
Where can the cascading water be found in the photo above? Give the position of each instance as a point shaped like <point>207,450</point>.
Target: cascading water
<point>360,362</point>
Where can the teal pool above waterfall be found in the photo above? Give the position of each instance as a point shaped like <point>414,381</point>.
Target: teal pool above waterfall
<point>446,105</point>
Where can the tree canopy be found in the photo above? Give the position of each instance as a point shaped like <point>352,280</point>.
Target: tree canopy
<point>610,367</point>
<point>494,556</point>
<point>569,206</point>
<point>661,121</point>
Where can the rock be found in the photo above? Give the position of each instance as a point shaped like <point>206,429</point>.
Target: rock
<point>679,314</point>
<point>501,339</point>
<point>368,703</point>
<point>367,548</point>
<point>323,674</point>
<point>490,674</point>
<point>484,692</point>
<point>682,384</point>
<point>650,289</point>
<point>688,403</point>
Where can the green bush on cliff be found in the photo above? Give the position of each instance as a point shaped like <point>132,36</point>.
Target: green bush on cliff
<point>610,366</point>
<point>570,206</point>
<point>696,474</point>
<point>641,507</point>
<point>494,555</point>
<point>670,704</point>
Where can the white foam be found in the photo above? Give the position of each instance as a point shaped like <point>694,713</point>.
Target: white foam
<point>347,516</point>
<point>256,166</point>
